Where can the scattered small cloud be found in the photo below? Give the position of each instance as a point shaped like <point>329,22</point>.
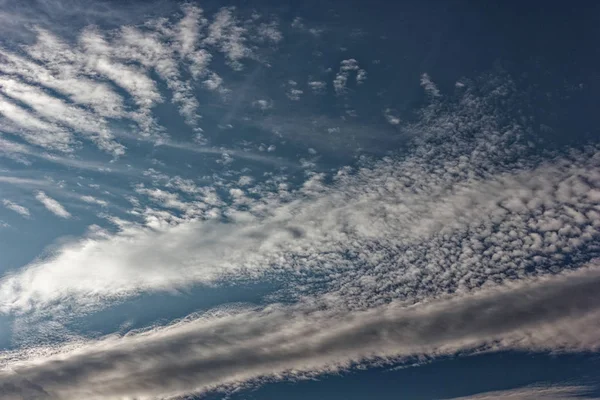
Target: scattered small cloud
<point>94,200</point>
<point>429,86</point>
<point>21,210</point>
<point>293,93</point>
<point>318,87</point>
<point>52,205</point>
<point>391,117</point>
<point>341,79</point>
<point>263,104</point>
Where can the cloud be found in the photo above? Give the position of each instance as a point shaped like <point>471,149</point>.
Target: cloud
<point>293,93</point>
<point>341,78</point>
<point>81,90</point>
<point>547,392</point>
<point>138,259</point>
<point>231,348</point>
<point>414,253</point>
<point>52,205</point>
<point>15,180</point>
<point>14,151</point>
<point>227,35</point>
<point>214,82</point>
<point>452,215</point>
<point>269,32</point>
<point>68,86</point>
<point>390,117</point>
<point>23,153</point>
<point>93,200</point>
<point>336,226</point>
<point>317,86</point>
<point>19,121</point>
<point>16,208</point>
<point>429,86</point>
<point>60,113</point>
<point>263,104</point>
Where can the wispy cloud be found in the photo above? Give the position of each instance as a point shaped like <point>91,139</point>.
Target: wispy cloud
<point>542,392</point>
<point>429,86</point>
<point>52,205</point>
<point>229,36</point>
<point>94,200</point>
<point>15,180</point>
<point>86,71</point>
<point>24,211</point>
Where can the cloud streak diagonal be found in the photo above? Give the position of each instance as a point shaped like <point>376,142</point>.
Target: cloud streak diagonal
<point>202,354</point>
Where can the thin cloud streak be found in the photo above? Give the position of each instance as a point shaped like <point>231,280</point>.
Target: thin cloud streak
<point>24,181</point>
<point>52,205</point>
<point>548,392</point>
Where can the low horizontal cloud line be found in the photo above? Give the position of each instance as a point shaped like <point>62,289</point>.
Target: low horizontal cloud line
<point>539,392</point>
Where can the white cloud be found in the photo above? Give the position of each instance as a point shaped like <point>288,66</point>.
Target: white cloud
<point>456,214</point>
<point>84,71</point>
<point>341,78</point>
<point>15,151</point>
<point>52,205</point>
<point>19,121</point>
<point>263,104</point>
<point>188,29</point>
<point>269,32</point>
<point>57,111</point>
<point>430,87</point>
<point>214,82</point>
<point>15,180</point>
<point>390,117</point>
<point>228,36</point>
<point>80,89</point>
<point>245,180</point>
<point>293,93</point>
<point>335,222</point>
<point>297,23</point>
<point>317,86</point>
<point>460,214</point>
<point>93,200</point>
<point>24,211</point>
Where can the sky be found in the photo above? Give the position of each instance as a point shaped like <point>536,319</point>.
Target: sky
<point>278,199</point>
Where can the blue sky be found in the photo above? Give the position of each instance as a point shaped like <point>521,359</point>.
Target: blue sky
<point>318,199</point>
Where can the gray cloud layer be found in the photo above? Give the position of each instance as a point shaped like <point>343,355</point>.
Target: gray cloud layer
<point>196,355</point>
